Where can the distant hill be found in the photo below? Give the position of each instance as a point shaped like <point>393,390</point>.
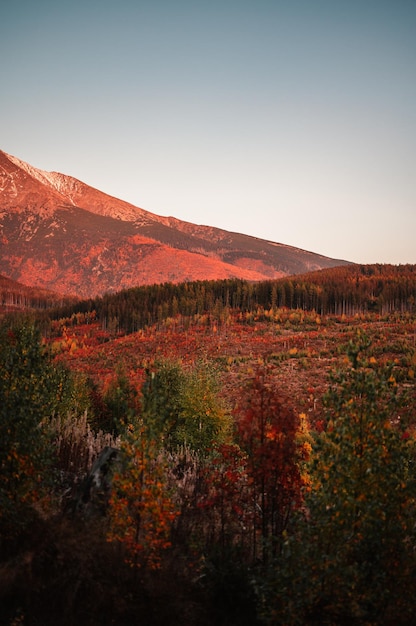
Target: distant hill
<point>14,295</point>
<point>58,233</point>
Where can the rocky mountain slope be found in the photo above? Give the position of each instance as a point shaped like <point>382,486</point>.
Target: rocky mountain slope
<point>58,233</point>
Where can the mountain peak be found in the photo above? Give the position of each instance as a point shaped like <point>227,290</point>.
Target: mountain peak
<point>52,179</point>
<point>59,233</point>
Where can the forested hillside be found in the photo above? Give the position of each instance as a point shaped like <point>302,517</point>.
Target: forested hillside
<point>213,453</point>
<point>14,295</point>
<point>345,290</point>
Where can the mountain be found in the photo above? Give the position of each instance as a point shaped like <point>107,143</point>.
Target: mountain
<point>58,233</point>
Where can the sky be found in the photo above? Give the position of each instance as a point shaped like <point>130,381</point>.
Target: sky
<point>289,120</point>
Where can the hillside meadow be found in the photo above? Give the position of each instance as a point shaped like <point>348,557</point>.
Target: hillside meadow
<point>218,452</point>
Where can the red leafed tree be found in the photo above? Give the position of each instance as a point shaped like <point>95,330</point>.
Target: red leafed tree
<point>268,429</point>
<point>225,500</point>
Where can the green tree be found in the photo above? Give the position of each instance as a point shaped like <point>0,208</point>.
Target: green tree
<point>31,391</point>
<point>120,401</point>
<point>182,406</point>
<point>160,402</point>
<point>203,419</point>
<point>352,560</point>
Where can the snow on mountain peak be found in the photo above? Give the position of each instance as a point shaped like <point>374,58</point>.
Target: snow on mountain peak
<point>61,183</point>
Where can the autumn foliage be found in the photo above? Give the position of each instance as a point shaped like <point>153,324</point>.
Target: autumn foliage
<point>141,510</point>
<point>263,455</point>
<point>267,430</point>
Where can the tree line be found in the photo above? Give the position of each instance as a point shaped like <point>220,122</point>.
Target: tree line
<point>14,295</point>
<point>346,290</point>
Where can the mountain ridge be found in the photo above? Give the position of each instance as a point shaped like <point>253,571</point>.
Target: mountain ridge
<point>58,233</point>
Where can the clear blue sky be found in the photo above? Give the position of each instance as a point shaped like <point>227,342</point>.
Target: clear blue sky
<point>290,120</point>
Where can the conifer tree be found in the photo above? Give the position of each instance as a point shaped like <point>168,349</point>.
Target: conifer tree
<point>28,395</point>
